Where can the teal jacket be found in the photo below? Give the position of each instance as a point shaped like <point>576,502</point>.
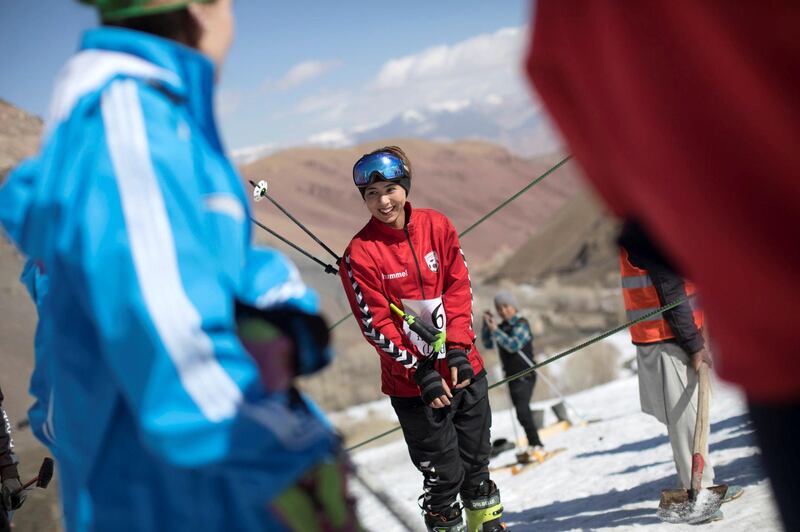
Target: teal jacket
<point>155,412</point>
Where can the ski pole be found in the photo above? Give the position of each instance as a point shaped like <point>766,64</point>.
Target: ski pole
<point>550,384</point>
<point>425,331</point>
<point>328,268</point>
<point>514,425</point>
<point>260,192</point>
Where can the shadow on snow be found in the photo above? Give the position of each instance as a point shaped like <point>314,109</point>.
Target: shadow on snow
<point>631,447</point>
<point>604,509</point>
<point>739,424</point>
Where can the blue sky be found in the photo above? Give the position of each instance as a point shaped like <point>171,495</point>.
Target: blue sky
<point>310,70</point>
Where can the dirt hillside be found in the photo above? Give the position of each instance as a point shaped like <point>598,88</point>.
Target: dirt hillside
<point>464,180</point>
<point>19,136</point>
<point>576,246</point>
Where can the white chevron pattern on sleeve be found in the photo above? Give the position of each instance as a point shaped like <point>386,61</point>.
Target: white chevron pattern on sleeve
<point>370,332</point>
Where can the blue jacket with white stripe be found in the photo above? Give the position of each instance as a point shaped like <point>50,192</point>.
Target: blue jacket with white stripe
<point>151,405</point>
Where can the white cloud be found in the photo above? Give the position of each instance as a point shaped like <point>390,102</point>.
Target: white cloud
<point>251,153</point>
<point>324,102</point>
<point>475,87</point>
<point>334,138</point>
<point>451,106</point>
<point>491,52</point>
<point>412,116</point>
<point>440,77</point>
<point>228,102</point>
<point>304,72</point>
<point>494,99</point>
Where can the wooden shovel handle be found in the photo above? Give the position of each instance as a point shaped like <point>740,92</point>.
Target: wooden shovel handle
<point>700,427</point>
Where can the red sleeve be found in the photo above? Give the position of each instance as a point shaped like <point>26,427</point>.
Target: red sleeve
<point>457,296</point>
<point>371,309</point>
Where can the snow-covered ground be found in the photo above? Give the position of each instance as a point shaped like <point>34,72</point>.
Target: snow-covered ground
<point>610,476</point>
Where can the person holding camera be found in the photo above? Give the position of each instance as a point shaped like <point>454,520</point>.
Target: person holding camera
<point>515,346</point>
<point>11,494</point>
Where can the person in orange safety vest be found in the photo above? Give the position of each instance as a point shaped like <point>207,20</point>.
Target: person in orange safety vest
<point>669,348</point>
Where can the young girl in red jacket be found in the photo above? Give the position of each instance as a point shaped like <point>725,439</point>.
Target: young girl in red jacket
<point>412,258</point>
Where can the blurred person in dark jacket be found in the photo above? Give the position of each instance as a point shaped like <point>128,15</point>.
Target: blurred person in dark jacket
<point>11,494</point>
<point>514,341</point>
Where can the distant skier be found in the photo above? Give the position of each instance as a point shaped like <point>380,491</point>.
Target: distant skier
<point>669,348</point>
<point>512,336</point>
<point>167,342</point>
<point>11,498</point>
<point>412,258</point>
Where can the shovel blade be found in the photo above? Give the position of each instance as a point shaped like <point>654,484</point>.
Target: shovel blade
<point>678,506</point>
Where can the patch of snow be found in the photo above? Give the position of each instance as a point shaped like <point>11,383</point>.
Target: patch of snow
<point>411,116</point>
<point>609,478</point>
<point>334,138</point>
<point>380,409</point>
<point>450,106</point>
<point>253,153</point>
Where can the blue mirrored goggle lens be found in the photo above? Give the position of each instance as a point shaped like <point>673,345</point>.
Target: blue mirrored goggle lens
<point>381,165</point>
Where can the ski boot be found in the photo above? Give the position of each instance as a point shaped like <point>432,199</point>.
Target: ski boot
<point>484,511</point>
<point>448,520</point>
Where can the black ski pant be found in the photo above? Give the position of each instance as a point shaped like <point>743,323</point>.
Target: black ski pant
<point>521,392</point>
<point>449,445</point>
<point>778,431</point>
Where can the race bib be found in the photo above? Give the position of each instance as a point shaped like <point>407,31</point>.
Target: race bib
<point>430,311</point>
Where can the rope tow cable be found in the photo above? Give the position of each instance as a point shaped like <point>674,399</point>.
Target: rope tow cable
<point>259,193</point>
<point>328,268</point>
<point>530,185</point>
<point>491,213</point>
<point>550,360</point>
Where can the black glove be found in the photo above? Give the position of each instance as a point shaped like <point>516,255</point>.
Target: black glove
<point>457,358</point>
<point>12,494</point>
<point>429,382</point>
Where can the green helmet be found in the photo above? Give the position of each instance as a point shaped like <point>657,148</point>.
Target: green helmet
<point>121,9</point>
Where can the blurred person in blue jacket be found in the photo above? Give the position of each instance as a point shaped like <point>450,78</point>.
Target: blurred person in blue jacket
<point>167,343</point>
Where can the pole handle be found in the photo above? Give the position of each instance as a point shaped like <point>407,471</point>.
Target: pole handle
<point>397,310</point>
<point>428,334</point>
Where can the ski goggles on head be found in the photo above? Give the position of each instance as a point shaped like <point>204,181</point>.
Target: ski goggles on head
<point>379,165</point>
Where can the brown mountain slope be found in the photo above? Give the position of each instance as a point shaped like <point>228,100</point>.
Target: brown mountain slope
<point>464,180</point>
<point>19,136</point>
<point>576,245</point>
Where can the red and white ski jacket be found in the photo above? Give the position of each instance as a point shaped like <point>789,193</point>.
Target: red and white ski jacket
<point>422,270</point>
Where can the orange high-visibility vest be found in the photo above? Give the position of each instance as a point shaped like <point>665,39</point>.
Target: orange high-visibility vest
<point>640,297</point>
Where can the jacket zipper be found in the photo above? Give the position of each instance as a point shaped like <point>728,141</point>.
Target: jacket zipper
<point>437,362</point>
<point>414,254</point>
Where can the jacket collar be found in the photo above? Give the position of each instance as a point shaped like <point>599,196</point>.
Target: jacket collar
<point>191,69</point>
<point>389,231</point>
<point>107,53</point>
